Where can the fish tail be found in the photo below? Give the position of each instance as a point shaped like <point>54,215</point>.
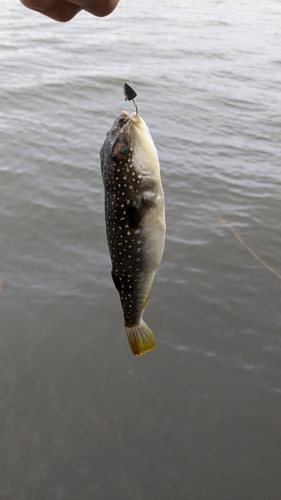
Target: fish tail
<point>141,338</point>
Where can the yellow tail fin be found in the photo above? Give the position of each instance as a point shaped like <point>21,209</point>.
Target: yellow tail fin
<point>141,338</point>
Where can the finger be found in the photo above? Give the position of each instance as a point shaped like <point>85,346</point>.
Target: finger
<point>64,10</point>
<point>102,8</point>
<point>60,10</point>
<point>82,3</point>
<point>38,4</point>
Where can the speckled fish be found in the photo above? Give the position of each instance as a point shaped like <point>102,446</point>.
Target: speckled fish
<point>135,220</point>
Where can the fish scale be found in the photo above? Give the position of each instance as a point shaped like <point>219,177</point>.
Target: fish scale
<point>135,221</point>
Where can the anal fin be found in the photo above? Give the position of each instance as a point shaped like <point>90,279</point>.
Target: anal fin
<point>147,298</point>
<point>116,281</point>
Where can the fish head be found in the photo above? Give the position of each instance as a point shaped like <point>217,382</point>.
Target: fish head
<point>128,139</point>
<point>117,142</point>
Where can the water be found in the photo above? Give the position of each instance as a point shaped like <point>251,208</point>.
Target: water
<point>199,417</point>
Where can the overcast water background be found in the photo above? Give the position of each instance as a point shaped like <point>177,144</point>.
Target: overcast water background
<point>198,418</point>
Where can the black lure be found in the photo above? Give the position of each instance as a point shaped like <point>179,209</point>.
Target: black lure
<point>130,94</point>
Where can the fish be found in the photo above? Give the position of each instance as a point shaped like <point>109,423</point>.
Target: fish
<point>135,220</point>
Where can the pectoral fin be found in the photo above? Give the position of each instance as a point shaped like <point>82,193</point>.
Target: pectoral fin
<point>145,209</point>
<point>155,208</point>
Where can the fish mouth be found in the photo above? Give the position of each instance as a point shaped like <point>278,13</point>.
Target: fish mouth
<point>125,116</point>
<point>134,117</point>
<point>123,126</point>
<point>120,124</point>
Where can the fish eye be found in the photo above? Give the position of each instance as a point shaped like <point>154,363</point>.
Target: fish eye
<point>119,150</point>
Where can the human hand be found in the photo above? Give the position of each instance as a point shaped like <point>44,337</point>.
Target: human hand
<point>64,10</point>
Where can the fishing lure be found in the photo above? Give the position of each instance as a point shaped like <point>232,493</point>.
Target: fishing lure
<point>130,94</point>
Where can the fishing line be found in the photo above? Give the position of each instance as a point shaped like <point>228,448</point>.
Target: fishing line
<point>129,92</point>
<point>131,43</point>
<point>250,250</point>
<point>123,100</point>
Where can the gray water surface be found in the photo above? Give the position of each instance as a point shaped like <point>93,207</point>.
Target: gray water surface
<point>199,418</point>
